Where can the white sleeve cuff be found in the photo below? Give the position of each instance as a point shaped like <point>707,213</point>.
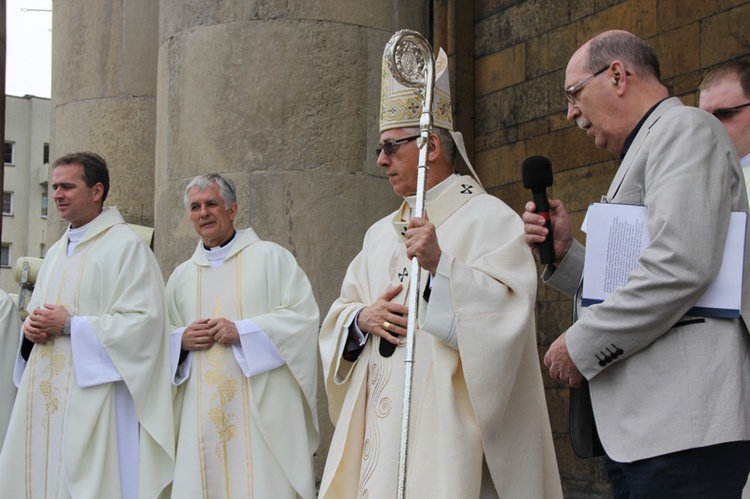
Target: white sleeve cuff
<point>90,360</point>
<point>179,372</point>
<point>20,365</point>
<point>356,335</point>
<point>255,353</point>
<point>440,319</point>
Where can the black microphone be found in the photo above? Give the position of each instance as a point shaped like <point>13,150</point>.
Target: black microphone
<point>537,176</point>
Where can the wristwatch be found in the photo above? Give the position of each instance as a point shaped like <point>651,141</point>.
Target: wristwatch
<point>66,326</point>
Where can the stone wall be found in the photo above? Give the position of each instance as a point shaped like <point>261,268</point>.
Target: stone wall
<point>104,97</point>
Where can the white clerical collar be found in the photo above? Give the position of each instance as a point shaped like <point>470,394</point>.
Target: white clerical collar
<point>745,161</point>
<point>435,192</point>
<point>75,236</point>
<point>217,255</point>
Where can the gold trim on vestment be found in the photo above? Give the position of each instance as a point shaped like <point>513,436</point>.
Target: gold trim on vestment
<point>47,362</point>
<point>219,378</point>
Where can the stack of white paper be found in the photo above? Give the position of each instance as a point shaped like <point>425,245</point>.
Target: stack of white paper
<point>617,234</point>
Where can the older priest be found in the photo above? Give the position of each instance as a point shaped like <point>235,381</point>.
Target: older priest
<point>92,417</point>
<point>479,424</point>
<point>245,326</point>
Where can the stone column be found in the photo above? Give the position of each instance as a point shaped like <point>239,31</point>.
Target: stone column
<point>282,96</point>
<point>104,62</point>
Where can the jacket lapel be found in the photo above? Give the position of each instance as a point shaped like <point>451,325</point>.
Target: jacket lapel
<point>638,142</point>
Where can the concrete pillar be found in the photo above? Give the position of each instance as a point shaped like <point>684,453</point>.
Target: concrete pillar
<point>282,96</point>
<point>104,62</point>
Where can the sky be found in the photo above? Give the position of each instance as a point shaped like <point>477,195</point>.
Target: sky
<point>28,62</point>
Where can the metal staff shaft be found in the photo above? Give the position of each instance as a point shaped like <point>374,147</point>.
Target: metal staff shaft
<point>413,65</point>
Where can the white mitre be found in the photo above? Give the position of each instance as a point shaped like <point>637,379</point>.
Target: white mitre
<point>401,107</point>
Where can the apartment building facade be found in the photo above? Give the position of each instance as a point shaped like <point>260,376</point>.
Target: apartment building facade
<point>25,199</point>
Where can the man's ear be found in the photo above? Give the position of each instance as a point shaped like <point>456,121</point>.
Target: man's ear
<point>435,148</point>
<point>618,76</point>
<point>98,189</point>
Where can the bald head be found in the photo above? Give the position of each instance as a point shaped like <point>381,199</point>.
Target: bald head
<point>638,55</point>
<point>611,82</point>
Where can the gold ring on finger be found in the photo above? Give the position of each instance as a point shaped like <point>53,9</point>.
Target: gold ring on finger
<point>387,326</point>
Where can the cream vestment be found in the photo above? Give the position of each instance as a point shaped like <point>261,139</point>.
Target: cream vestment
<point>10,330</point>
<point>66,435</point>
<point>478,400</point>
<point>247,413</point>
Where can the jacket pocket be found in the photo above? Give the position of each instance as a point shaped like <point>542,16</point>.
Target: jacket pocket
<point>633,196</point>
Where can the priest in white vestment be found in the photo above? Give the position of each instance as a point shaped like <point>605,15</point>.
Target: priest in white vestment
<point>478,423</point>
<point>244,327</point>
<point>10,331</point>
<point>92,417</point>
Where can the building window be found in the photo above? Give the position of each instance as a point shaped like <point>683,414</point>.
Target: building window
<point>10,149</point>
<point>44,204</point>
<point>42,249</point>
<point>5,255</point>
<point>7,203</point>
<point>45,155</point>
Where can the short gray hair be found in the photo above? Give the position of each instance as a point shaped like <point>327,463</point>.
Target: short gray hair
<point>203,182</point>
<point>446,140</point>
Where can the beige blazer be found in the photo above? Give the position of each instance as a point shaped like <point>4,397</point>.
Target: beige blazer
<point>662,381</point>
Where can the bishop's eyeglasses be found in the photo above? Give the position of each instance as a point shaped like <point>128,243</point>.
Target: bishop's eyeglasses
<point>391,147</point>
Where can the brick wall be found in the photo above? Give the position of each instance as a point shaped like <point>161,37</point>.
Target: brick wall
<point>516,108</point>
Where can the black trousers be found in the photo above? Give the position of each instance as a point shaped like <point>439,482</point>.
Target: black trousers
<point>714,472</point>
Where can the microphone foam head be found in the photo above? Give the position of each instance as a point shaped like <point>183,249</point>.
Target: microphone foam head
<point>536,172</point>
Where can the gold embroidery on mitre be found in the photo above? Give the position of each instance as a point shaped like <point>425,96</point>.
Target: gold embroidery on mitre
<point>401,107</point>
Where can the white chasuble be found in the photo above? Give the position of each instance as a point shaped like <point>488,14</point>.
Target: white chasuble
<point>63,434</point>
<point>10,336</point>
<point>246,433</point>
<point>383,413</point>
<point>478,398</point>
<point>48,385</point>
<point>384,408</point>
<point>222,401</point>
